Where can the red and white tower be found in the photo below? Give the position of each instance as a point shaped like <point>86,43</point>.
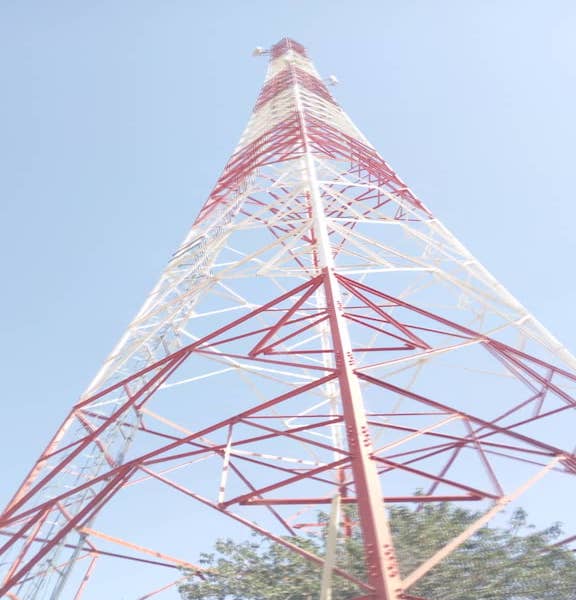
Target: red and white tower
<point>318,334</point>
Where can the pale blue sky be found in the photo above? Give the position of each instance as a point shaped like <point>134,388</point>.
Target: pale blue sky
<point>117,116</point>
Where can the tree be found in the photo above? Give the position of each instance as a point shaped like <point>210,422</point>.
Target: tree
<point>510,562</point>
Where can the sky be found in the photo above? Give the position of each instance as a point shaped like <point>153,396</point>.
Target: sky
<point>116,118</point>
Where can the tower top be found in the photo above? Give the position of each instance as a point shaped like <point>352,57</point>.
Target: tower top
<point>284,45</point>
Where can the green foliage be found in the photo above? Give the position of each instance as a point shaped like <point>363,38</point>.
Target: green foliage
<point>514,562</point>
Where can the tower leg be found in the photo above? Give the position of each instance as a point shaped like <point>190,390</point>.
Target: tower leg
<point>380,559</point>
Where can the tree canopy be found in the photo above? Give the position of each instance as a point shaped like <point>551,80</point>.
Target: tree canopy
<point>511,562</point>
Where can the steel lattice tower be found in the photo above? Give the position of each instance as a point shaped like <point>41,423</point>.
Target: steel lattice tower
<point>318,334</point>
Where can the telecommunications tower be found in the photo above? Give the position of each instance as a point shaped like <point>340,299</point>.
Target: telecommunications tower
<point>318,335</point>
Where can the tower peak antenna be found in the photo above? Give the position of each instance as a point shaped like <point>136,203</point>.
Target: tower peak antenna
<point>259,51</point>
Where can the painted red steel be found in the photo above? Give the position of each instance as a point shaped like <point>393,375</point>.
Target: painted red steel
<point>359,457</point>
<point>284,142</point>
<point>268,334</point>
<point>344,371</point>
<point>381,563</point>
<point>286,79</point>
<point>286,44</point>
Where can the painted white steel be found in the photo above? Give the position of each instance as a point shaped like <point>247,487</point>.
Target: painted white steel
<point>210,262</point>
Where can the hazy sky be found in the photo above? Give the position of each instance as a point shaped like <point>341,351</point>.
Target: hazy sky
<point>116,117</point>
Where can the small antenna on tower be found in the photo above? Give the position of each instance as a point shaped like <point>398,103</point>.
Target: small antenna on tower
<point>259,51</point>
<point>332,80</point>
